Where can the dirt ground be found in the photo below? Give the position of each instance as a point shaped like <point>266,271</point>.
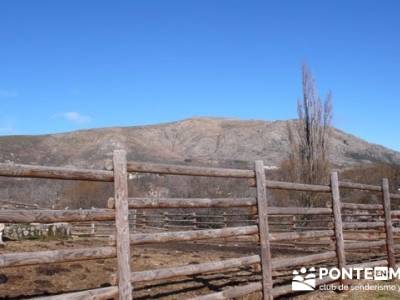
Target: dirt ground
<point>21,282</point>
<point>24,282</point>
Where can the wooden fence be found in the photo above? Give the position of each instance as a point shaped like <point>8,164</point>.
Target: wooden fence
<point>119,206</point>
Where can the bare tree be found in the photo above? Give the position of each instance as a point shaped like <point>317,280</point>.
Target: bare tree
<point>309,137</point>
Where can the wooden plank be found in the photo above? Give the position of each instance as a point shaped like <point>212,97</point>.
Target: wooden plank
<point>262,205</point>
<point>191,235</point>
<point>141,167</point>
<point>122,225</point>
<point>52,216</point>
<point>14,259</point>
<point>337,217</point>
<point>171,272</point>
<point>361,206</point>
<point>232,292</point>
<point>388,224</point>
<point>93,294</point>
<point>281,185</point>
<point>32,171</point>
<point>360,186</point>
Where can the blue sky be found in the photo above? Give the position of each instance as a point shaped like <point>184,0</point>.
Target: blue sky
<point>67,65</point>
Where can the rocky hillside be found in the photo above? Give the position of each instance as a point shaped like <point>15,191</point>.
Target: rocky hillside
<point>199,139</point>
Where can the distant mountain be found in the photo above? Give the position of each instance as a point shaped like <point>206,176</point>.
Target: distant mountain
<point>197,141</point>
<point>216,140</point>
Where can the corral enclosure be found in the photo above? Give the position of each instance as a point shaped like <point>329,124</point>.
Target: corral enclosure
<point>209,248</point>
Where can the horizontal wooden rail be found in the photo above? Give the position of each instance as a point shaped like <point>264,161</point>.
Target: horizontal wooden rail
<point>144,238</point>
<point>147,238</point>
<point>32,171</point>
<point>299,211</point>
<point>192,235</point>
<point>360,186</point>
<point>193,269</point>
<point>93,294</point>
<point>362,235</point>
<point>362,225</point>
<point>51,216</point>
<point>158,168</point>
<point>14,259</point>
<point>137,203</point>
<point>361,206</point>
<point>281,185</point>
<point>300,235</point>
<point>364,245</point>
<point>395,196</point>
<point>395,213</point>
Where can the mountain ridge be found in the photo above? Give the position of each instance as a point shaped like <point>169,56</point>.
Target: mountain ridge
<point>197,138</point>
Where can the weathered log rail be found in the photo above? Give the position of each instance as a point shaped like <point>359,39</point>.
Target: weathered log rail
<point>344,236</point>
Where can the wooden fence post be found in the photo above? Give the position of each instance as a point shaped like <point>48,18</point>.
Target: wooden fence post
<point>337,218</point>
<point>263,229</point>
<point>122,224</point>
<point>388,224</point>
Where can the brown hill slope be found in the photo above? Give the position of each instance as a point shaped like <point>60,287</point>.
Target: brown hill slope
<point>213,139</point>
<point>220,142</point>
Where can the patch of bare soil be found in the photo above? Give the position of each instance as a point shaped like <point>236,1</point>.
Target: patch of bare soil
<point>20,282</point>
<point>23,282</point>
